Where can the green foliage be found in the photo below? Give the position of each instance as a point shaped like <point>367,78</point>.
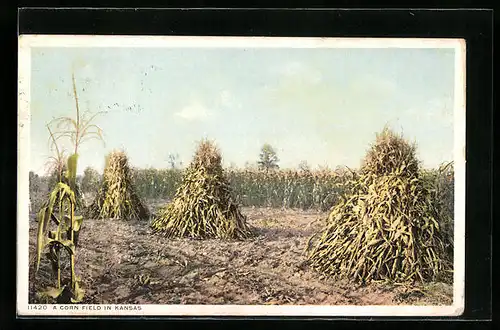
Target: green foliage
<point>288,188</point>
<point>35,181</point>
<point>440,183</point>
<point>156,183</point>
<point>35,188</point>
<point>61,206</point>
<point>90,180</point>
<point>304,166</point>
<point>173,161</point>
<point>59,210</point>
<point>268,159</point>
<point>312,189</point>
<point>282,188</point>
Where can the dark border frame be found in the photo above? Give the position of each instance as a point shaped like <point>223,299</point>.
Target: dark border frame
<point>476,26</point>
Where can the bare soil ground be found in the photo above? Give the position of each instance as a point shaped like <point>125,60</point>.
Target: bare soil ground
<point>122,262</point>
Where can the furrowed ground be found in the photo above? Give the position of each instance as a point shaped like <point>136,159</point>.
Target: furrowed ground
<point>122,262</point>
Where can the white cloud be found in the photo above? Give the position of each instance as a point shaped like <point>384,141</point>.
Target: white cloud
<point>194,111</point>
<point>298,70</point>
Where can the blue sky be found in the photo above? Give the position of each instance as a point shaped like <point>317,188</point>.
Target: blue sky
<point>320,105</point>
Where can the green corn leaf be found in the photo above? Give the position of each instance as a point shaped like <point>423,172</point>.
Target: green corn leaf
<point>54,292</point>
<point>41,235</point>
<point>78,293</point>
<point>71,173</point>
<point>67,244</point>
<point>77,223</point>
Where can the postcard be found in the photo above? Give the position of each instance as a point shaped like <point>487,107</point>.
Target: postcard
<point>240,176</point>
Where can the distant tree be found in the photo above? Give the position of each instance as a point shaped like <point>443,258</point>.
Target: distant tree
<point>173,161</point>
<point>35,183</point>
<point>304,166</point>
<point>249,165</point>
<point>90,180</point>
<point>268,160</point>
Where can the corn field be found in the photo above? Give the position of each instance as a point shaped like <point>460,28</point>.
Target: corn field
<point>319,190</point>
<point>290,189</point>
<point>284,189</point>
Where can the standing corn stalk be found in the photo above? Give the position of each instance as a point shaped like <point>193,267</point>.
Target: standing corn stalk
<point>60,209</point>
<point>441,183</point>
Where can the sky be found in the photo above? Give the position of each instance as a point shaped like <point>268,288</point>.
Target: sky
<point>322,106</point>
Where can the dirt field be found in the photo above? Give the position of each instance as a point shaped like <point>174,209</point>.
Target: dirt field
<point>121,262</point>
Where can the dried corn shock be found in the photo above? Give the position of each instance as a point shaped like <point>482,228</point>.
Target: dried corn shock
<point>117,197</point>
<point>388,228</point>
<point>203,206</point>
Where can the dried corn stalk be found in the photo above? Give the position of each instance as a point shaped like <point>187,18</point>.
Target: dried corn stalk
<point>203,206</point>
<point>388,228</point>
<point>117,198</point>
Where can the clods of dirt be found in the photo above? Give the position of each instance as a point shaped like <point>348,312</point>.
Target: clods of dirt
<point>123,262</point>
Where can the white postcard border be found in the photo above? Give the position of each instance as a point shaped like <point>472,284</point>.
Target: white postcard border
<point>26,42</point>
